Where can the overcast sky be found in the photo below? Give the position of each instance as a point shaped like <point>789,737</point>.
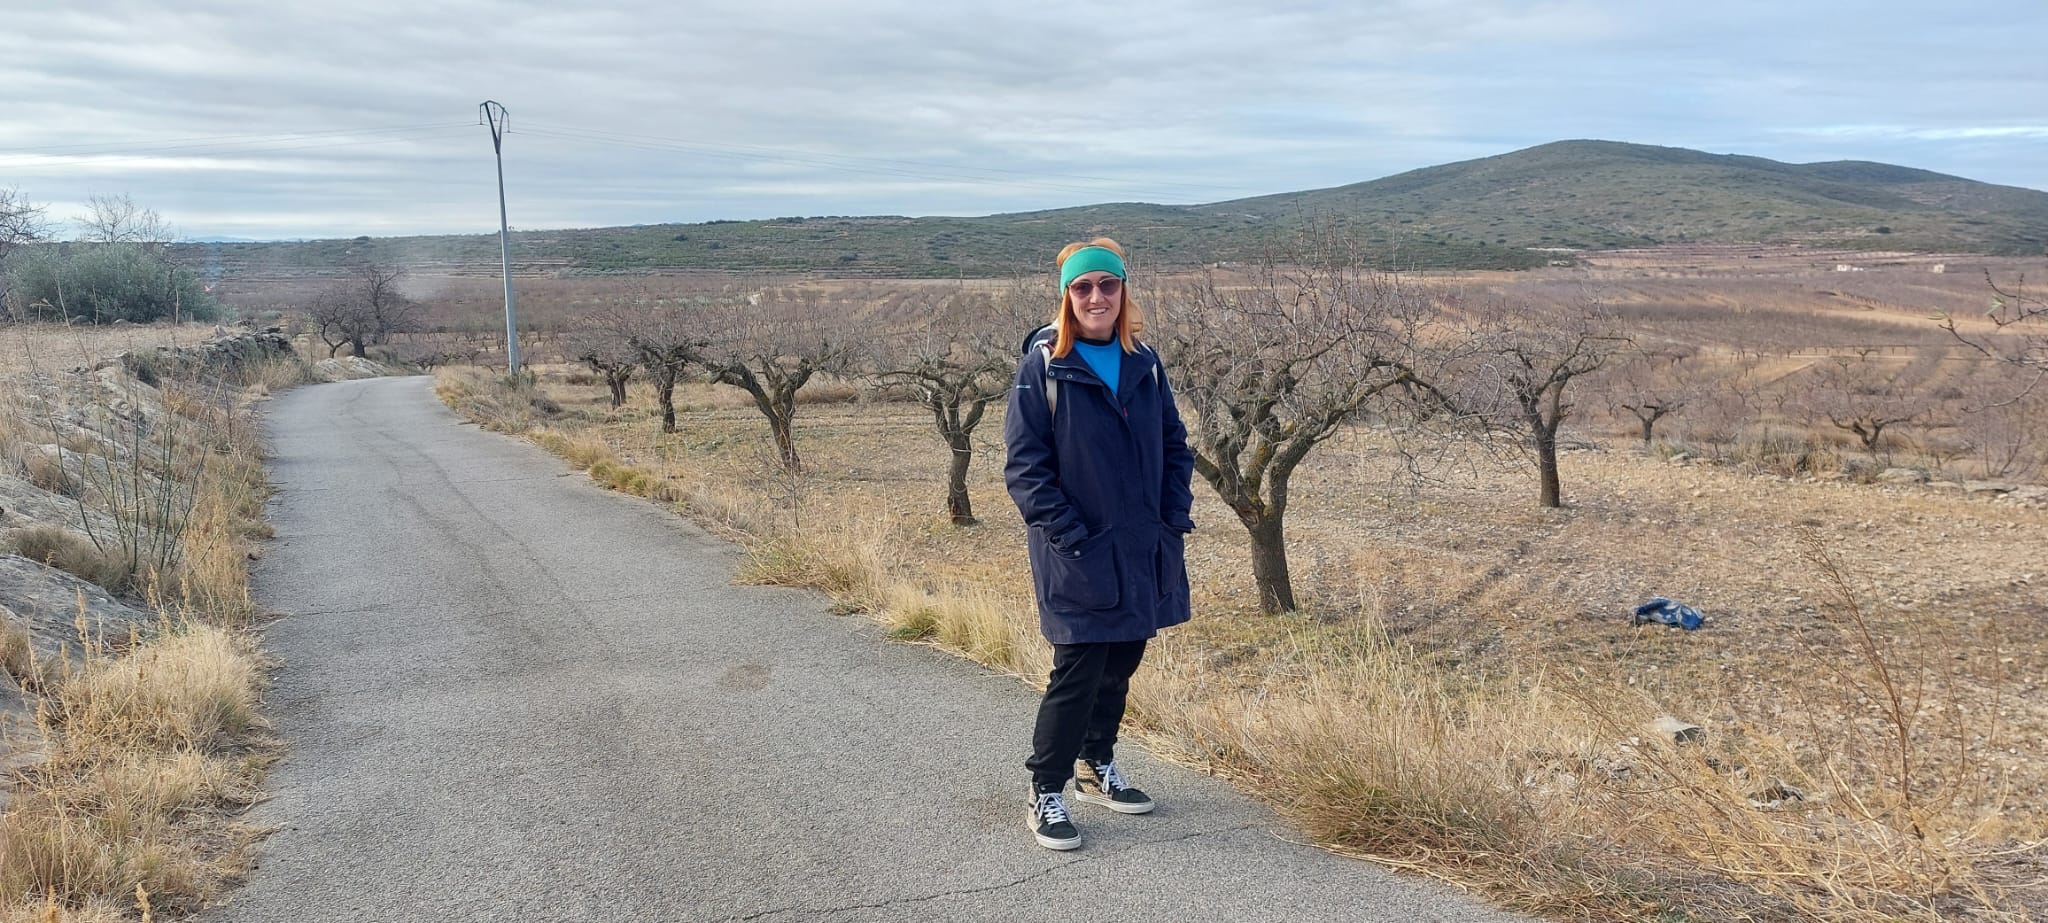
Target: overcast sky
<point>283,119</point>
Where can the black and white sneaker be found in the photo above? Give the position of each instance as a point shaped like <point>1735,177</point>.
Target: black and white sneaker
<point>1103,784</point>
<point>1049,822</point>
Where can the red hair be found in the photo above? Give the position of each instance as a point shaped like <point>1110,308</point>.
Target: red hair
<point>1129,320</point>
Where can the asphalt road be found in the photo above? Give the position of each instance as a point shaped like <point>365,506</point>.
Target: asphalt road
<point>510,695</point>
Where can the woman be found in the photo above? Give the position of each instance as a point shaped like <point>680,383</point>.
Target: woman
<point>1099,465</point>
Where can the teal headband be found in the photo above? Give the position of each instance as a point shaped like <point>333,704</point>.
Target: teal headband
<point>1090,259</point>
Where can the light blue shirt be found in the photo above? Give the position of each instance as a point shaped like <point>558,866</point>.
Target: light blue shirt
<point>1107,361</point>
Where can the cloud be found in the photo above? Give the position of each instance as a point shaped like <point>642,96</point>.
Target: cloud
<point>255,119</point>
<point>1907,133</point>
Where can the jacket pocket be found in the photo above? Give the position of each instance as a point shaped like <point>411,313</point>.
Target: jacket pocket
<point>1085,577</point>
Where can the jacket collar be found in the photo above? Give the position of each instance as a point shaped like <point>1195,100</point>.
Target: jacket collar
<point>1071,367</point>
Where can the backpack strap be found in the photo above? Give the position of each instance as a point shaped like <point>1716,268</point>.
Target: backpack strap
<point>1052,385</point>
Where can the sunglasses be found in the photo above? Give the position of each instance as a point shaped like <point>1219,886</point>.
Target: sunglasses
<point>1084,288</point>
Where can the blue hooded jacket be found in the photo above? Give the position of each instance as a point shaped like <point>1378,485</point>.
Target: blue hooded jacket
<point>1105,485</point>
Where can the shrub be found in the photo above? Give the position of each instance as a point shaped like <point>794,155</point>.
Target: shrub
<point>108,282</point>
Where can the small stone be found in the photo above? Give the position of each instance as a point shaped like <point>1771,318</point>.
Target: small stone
<point>1779,794</point>
<point>1677,731</point>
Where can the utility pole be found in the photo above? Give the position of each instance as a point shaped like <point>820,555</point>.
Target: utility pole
<point>495,115</point>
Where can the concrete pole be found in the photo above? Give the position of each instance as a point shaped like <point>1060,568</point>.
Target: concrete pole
<point>495,115</point>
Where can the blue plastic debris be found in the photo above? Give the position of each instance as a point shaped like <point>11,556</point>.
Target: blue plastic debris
<point>1665,612</point>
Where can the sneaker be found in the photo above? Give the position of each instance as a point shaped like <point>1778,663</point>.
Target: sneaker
<point>1049,821</point>
<point>1103,784</point>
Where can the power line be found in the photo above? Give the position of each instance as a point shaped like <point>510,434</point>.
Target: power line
<point>880,167</point>
<point>215,150</point>
<point>109,147</point>
<point>872,171</point>
<point>694,144</point>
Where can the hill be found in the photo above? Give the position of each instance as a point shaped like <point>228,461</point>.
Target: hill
<point>1604,194</point>
<point>1509,211</point>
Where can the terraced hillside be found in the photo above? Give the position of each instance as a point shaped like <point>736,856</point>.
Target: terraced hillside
<point>1517,210</point>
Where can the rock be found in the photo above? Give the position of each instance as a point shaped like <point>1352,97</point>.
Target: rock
<point>29,505</point>
<point>2030,494</point>
<point>1677,731</point>
<point>1988,487</point>
<point>54,607</point>
<point>1777,796</point>
<point>225,351</point>
<point>1902,476</point>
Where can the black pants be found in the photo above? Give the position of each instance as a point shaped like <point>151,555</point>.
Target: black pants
<point>1083,705</point>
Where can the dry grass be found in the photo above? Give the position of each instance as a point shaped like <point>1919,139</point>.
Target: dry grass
<point>144,766</point>
<point>150,753</point>
<point>194,688</point>
<point>60,346</point>
<point>223,532</point>
<point>270,376</point>
<point>1457,698</point>
<point>17,651</point>
<point>71,553</point>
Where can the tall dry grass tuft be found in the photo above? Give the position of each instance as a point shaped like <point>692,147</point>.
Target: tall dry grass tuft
<point>497,403</point>
<point>969,620</point>
<point>844,559</point>
<point>141,747</point>
<point>274,374</point>
<point>194,688</point>
<point>221,538</point>
<point>70,552</point>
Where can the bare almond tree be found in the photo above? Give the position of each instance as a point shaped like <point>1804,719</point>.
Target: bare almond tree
<point>363,310</point>
<point>2009,436</point>
<point>1867,397</point>
<point>666,335</point>
<point>116,219</point>
<point>769,343</point>
<point>1651,384</point>
<point>608,352</point>
<point>1529,357</point>
<point>21,221</point>
<point>1267,368</point>
<point>959,357</point>
<point>2019,319</point>
<point>339,319</point>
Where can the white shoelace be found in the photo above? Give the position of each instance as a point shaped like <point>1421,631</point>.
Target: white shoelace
<point>1112,780</point>
<point>1052,807</point>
